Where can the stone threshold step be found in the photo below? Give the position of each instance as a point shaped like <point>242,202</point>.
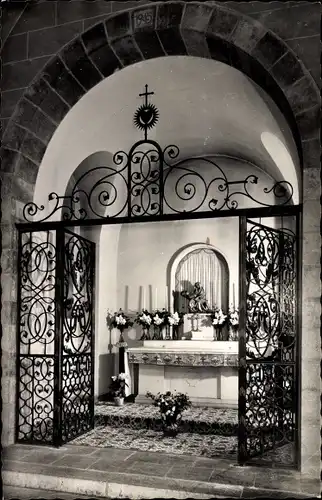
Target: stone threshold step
<point>133,486</point>
<point>16,492</point>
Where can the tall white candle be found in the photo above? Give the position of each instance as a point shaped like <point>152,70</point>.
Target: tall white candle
<point>234,295</point>
<point>156,299</point>
<point>166,297</point>
<point>143,298</point>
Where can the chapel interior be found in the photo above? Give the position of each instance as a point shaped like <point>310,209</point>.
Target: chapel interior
<point>159,265</point>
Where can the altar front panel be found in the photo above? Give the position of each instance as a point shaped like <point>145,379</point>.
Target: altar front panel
<point>206,386</point>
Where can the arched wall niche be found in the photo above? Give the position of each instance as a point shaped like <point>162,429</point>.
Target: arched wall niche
<point>216,295</point>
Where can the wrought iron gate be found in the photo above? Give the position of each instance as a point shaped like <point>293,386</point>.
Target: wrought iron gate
<point>55,368</point>
<point>267,351</point>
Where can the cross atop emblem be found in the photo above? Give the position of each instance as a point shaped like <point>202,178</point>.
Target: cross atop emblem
<point>146,94</point>
<point>146,116</point>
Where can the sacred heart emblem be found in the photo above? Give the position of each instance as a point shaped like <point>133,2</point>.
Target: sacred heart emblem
<point>146,116</point>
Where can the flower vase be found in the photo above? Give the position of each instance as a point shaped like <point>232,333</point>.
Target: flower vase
<point>233,333</point>
<point>118,401</point>
<point>145,334</point>
<point>170,429</point>
<point>121,340</point>
<point>167,333</point>
<point>157,335</point>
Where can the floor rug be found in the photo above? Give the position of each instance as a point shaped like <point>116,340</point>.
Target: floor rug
<point>201,420</point>
<point>206,445</point>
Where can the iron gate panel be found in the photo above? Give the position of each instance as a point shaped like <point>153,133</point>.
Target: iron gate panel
<point>78,337</point>
<point>36,336</point>
<point>55,365</point>
<point>268,377</point>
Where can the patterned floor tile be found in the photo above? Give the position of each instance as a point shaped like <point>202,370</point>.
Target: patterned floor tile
<point>137,416</point>
<point>183,444</point>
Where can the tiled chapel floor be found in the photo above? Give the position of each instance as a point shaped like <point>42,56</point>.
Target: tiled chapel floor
<point>127,448</point>
<point>204,432</point>
<point>138,427</point>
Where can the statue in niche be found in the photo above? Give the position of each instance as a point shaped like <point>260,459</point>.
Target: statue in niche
<point>197,299</point>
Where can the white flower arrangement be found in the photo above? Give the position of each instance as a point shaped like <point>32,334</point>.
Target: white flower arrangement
<point>145,319</point>
<point>174,319</point>
<point>219,318</point>
<point>157,320</point>
<point>118,384</point>
<point>120,320</point>
<point>234,317</point>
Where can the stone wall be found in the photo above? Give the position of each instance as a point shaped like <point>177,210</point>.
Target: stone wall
<point>32,34</point>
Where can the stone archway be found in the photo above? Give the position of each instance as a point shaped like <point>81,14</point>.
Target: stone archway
<point>169,28</point>
<point>165,28</point>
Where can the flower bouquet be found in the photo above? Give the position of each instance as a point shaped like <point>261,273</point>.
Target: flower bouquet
<point>144,319</point>
<point>120,321</point>
<point>175,319</point>
<point>233,321</point>
<point>117,388</point>
<point>159,322</point>
<point>218,320</point>
<point>171,407</point>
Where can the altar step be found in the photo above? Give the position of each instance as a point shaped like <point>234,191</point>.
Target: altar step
<point>200,420</point>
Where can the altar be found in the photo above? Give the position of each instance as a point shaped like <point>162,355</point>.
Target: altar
<point>206,370</point>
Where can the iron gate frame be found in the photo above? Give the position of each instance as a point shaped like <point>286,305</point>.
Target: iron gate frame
<point>264,211</point>
<point>243,214</point>
<point>243,457</point>
<point>58,355</point>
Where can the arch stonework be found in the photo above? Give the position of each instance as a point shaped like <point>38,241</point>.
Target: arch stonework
<point>156,30</point>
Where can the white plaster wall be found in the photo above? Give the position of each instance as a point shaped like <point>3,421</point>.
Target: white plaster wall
<point>106,358</point>
<point>145,251</point>
<point>206,178</point>
<point>205,107</point>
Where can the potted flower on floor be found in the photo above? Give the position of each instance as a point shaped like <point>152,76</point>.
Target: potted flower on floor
<point>171,407</point>
<point>117,388</point>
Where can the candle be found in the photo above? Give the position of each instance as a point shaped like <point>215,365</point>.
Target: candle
<point>234,295</point>
<point>143,298</point>
<point>126,301</point>
<point>156,299</point>
<point>166,297</point>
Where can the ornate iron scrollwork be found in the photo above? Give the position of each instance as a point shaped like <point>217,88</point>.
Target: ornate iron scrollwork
<point>54,338</point>
<point>270,339</point>
<point>36,337</point>
<point>77,337</point>
<point>150,180</point>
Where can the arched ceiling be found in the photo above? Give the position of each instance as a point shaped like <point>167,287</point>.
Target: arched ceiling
<point>206,107</point>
